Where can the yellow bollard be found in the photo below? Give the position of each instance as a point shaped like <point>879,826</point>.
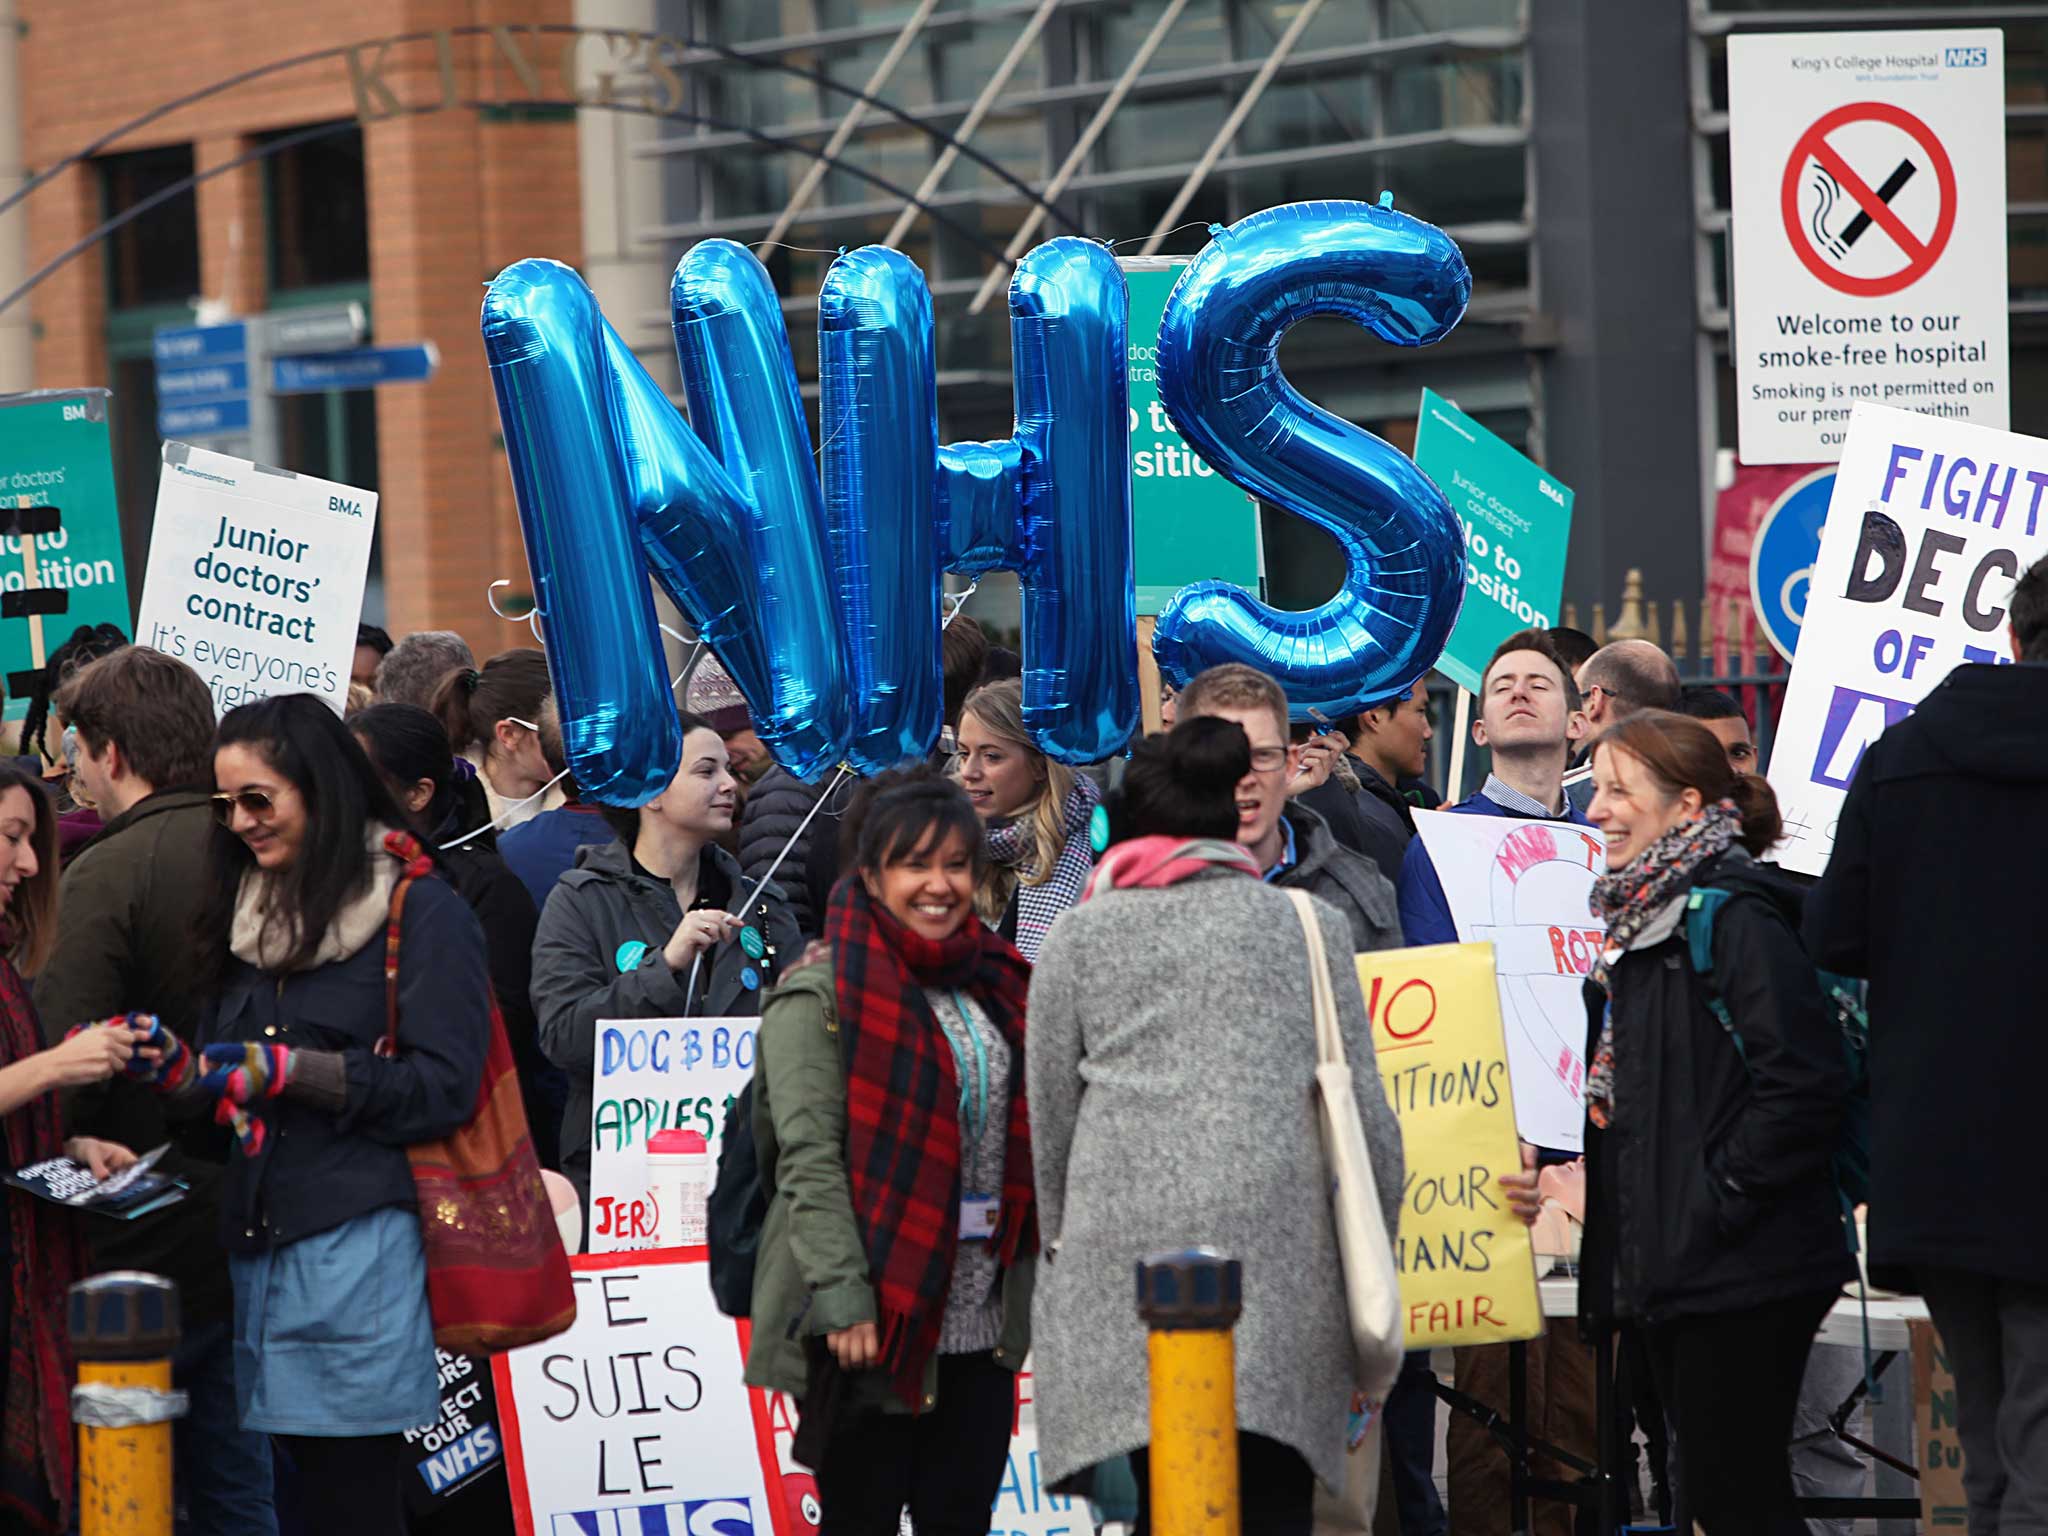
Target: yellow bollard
<point>124,1329</point>
<point>1191,1301</point>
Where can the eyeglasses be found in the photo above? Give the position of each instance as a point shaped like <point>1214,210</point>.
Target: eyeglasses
<point>259,803</point>
<point>1268,759</point>
<point>1592,688</point>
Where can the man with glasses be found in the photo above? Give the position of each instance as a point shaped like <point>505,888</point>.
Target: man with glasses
<point>1616,681</point>
<point>143,730</point>
<point>1291,843</point>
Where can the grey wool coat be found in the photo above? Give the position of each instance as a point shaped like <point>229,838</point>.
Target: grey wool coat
<point>1170,1059</point>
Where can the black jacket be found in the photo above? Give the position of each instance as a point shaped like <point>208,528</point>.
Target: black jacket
<point>124,945</point>
<point>505,911</point>
<point>1386,820</point>
<point>1338,805</point>
<point>598,955</point>
<point>1935,892</point>
<point>775,808</point>
<point>318,1170</point>
<point>1711,1189</point>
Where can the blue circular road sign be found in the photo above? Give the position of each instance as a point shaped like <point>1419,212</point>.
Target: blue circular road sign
<point>1782,556</point>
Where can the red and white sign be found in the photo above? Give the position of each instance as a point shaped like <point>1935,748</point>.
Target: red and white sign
<point>1867,232</point>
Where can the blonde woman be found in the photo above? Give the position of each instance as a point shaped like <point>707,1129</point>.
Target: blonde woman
<point>1034,813</point>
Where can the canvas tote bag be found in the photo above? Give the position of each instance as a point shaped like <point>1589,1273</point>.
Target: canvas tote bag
<point>1372,1291</point>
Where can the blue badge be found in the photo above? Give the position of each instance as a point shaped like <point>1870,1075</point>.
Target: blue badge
<point>630,954</point>
<point>1098,829</point>
<point>749,978</point>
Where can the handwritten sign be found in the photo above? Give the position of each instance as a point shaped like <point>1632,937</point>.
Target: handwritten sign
<point>1943,1505</point>
<point>655,1075</point>
<point>637,1418</point>
<point>1468,1275</point>
<point>1524,887</point>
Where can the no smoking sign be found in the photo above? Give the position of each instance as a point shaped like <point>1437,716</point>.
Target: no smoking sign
<point>1869,199</point>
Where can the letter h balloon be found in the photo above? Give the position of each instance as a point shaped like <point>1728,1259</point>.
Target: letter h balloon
<point>821,590</point>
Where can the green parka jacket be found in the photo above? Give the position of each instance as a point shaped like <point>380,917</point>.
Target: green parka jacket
<point>811,1270</point>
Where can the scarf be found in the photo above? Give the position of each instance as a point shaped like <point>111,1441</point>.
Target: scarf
<point>1153,863</point>
<point>902,1113</point>
<point>1038,905</point>
<point>263,937</point>
<point>37,1450</point>
<point>1631,901</point>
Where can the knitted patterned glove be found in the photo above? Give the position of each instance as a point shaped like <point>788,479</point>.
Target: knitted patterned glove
<point>239,1074</point>
<point>172,1069</point>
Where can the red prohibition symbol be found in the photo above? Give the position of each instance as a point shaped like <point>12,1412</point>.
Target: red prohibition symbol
<point>1920,255</point>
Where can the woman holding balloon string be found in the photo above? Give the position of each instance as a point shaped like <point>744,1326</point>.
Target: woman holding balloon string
<point>1035,816</point>
<point>652,927</point>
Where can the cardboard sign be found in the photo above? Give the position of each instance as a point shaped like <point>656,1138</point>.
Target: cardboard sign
<point>1523,886</point>
<point>1943,1504</point>
<point>637,1419</point>
<point>256,576</point>
<point>1468,1273</point>
<point>1188,523</point>
<point>54,453</point>
<point>1867,219</point>
<point>1517,521</point>
<point>1929,527</point>
<point>655,1075</point>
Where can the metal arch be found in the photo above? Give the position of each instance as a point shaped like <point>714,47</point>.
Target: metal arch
<point>323,130</point>
<point>731,55</point>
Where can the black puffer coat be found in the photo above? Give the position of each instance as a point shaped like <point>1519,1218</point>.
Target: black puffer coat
<point>776,807</point>
<point>1711,1190</point>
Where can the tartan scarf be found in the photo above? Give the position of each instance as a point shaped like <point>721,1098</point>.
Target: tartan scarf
<point>903,1118</point>
<point>1040,904</point>
<point>1628,900</point>
<point>37,1449</point>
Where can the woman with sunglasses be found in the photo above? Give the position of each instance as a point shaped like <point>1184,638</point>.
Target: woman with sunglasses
<point>652,926</point>
<point>492,717</point>
<point>39,1243</point>
<point>334,1348</point>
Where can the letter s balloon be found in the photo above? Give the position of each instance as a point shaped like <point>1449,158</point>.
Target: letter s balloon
<point>1220,379</point>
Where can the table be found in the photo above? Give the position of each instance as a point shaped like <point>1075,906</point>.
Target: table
<point>1889,1321</point>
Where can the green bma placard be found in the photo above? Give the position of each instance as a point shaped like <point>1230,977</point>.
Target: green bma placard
<point>1517,521</point>
<point>55,452</point>
<point>1188,523</point>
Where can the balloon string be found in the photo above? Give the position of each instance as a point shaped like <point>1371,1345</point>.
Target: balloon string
<point>509,810</point>
<point>1128,239</point>
<point>959,601</point>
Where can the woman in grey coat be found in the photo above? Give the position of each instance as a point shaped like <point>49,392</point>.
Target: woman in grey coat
<point>1171,1058</point>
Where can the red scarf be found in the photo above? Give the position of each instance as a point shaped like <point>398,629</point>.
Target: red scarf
<point>37,1449</point>
<point>902,1113</point>
<point>1154,863</point>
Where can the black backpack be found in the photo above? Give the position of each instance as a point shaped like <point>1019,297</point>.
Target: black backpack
<point>736,1210</point>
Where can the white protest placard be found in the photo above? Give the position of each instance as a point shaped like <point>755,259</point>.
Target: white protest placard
<point>255,576</point>
<point>1868,231</point>
<point>1524,886</point>
<point>637,1419</point>
<point>1929,528</point>
<point>655,1075</point>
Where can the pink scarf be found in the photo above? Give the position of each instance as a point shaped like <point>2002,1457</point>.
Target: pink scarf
<point>1153,863</point>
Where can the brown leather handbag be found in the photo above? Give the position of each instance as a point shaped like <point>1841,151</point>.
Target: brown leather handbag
<point>497,1277</point>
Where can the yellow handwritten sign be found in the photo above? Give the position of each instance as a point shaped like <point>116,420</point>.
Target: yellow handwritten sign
<point>1468,1275</point>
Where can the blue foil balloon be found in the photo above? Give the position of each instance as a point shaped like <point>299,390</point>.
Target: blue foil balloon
<point>1052,502</point>
<point>764,597</point>
<point>560,372</point>
<point>1220,380</point>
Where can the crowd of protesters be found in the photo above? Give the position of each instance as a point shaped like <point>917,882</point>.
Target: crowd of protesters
<point>1021,1024</point>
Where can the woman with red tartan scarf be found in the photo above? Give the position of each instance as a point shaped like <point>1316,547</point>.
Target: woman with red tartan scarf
<point>41,1244</point>
<point>892,1289</point>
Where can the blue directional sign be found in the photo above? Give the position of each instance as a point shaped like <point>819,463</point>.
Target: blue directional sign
<point>202,380</point>
<point>1782,556</point>
<point>306,373</point>
<point>209,418</point>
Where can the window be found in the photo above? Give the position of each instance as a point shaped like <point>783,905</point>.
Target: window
<point>154,257</point>
<point>319,208</point>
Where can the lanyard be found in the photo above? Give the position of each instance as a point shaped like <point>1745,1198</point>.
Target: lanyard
<point>976,1115</point>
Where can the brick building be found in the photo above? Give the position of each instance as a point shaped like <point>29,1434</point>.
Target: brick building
<point>366,176</point>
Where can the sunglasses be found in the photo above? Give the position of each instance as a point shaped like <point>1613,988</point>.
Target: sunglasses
<point>259,803</point>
